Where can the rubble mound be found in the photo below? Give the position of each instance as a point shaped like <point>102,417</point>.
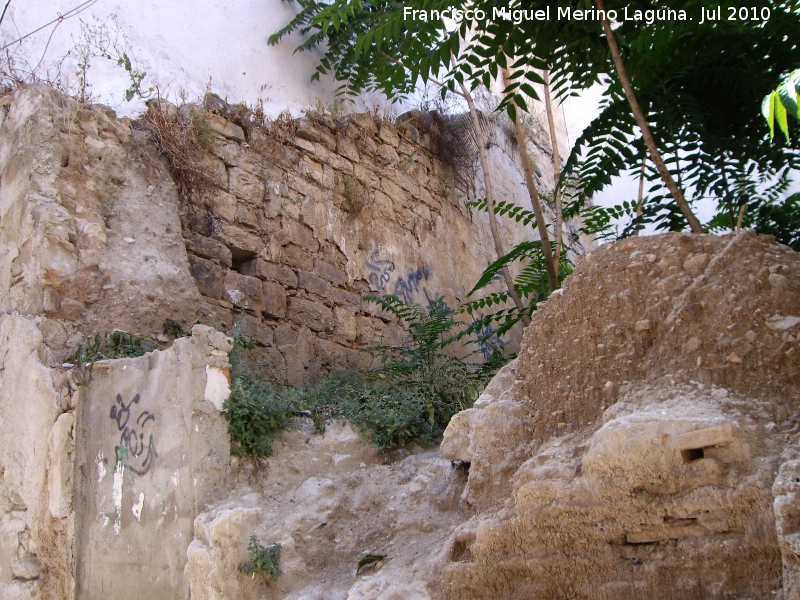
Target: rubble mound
<point>645,442</point>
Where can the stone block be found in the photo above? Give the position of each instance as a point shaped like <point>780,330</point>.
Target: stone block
<point>703,438</point>
<point>274,299</point>
<point>335,161</point>
<point>407,182</point>
<point>328,177</point>
<point>313,284</point>
<point>221,125</point>
<point>246,215</point>
<point>364,122</point>
<point>394,191</point>
<point>366,176</point>
<point>304,144</point>
<point>389,135</point>
<point>285,336</point>
<point>346,326</point>
<point>312,169</point>
<point>303,187</point>
<point>263,269</point>
<point>343,297</point>
<point>214,169</point>
<point>242,244</point>
<point>313,315</point>
<point>309,131</point>
<point>207,248</point>
<point>246,186</point>
<point>227,151</point>
<point>346,148</point>
<point>330,354</point>
<point>387,154</point>
<point>253,328</point>
<point>297,257</point>
<point>333,274</point>
<point>244,291</point>
<point>300,234</point>
<point>222,204</point>
<point>209,276</point>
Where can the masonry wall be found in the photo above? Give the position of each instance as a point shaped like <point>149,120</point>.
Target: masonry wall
<point>293,224</point>
<point>299,224</point>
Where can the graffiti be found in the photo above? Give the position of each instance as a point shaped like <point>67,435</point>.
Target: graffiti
<point>381,270</point>
<point>407,287</point>
<point>133,452</point>
<point>410,284</point>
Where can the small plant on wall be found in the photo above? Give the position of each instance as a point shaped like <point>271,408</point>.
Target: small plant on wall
<point>263,559</point>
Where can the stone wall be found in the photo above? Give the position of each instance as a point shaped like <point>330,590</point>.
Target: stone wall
<point>292,224</point>
<point>296,228</point>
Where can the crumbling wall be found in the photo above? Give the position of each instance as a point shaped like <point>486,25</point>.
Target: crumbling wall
<point>301,222</point>
<point>99,488</point>
<point>152,451</point>
<point>89,230</point>
<point>293,224</point>
<point>35,467</point>
<point>633,449</point>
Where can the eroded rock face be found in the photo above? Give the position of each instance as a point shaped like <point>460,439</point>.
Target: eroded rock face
<point>329,500</point>
<point>634,448</point>
<point>90,232</point>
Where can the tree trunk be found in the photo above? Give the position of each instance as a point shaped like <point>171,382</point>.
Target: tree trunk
<point>536,203</point>
<point>557,196</point>
<point>655,155</point>
<point>487,181</point>
<point>641,194</point>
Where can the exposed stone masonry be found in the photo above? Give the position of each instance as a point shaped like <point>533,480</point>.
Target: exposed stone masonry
<point>293,229</point>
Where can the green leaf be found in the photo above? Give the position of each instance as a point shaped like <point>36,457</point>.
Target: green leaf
<point>369,559</point>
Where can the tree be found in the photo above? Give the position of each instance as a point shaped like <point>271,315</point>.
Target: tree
<point>783,101</point>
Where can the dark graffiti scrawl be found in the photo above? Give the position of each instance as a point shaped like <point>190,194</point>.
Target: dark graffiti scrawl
<point>136,449</point>
<point>409,285</point>
<point>381,270</point>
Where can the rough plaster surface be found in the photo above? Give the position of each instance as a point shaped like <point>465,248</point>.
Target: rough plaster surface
<point>151,453</point>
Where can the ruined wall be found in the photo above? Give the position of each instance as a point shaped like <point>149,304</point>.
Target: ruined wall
<point>658,459</point>
<point>296,228</point>
<point>99,488</point>
<point>152,451</point>
<point>292,224</point>
<point>35,437</point>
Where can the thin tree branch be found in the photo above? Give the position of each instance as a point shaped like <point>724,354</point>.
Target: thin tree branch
<point>638,114</point>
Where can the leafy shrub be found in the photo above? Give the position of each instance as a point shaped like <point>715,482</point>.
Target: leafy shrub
<point>263,559</point>
<point>258,409</point>
<point>410,396</point>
